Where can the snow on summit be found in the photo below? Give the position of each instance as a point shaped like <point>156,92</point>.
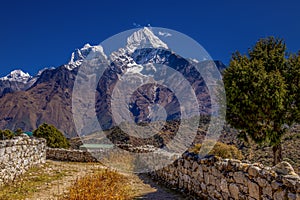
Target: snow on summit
<point>144,38</point>
<point>18,76</point>
<point>86,51</point>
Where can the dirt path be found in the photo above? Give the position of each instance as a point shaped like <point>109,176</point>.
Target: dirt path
<point>149,189</point>
<point>72,171</point>
<point>144,187</point>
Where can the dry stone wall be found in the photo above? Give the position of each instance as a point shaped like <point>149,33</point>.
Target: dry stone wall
<point>18,155</point>
<point>70,155</point>
<point>216,178</point>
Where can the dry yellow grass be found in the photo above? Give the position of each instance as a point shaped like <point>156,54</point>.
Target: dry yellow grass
<point>104,185</point>
<point>31,182</point>
<point>220,149</point>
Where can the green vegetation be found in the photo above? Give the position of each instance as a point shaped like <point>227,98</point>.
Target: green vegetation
<point>55,138</point>
<point>262,91</point>
<point>29,183</point>
<point>104,184</point>
<point>19,131</point>
<point>6,134</point>
<point>220,149</point>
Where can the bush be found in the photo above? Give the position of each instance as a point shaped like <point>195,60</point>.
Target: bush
<point>55,138</point>
<point>220,149</point>
<point>101,185</point>
<point>18,132</point>
<point>6,134</point>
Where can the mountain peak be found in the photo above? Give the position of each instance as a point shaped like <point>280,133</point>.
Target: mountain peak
<point>86,46</point>
<point>18,76</point>
<point>144,38</point>
<point>80,54</point>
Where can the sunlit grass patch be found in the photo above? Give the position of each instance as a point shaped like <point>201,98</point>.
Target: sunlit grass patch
<point>104,185</point>
<point>29,183</point>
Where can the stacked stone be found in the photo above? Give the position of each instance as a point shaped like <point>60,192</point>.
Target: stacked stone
<point>18,155</point>
<point>70,155</point>
<point>216,178</point>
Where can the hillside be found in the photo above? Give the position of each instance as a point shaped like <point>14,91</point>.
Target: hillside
<point>263,154</point>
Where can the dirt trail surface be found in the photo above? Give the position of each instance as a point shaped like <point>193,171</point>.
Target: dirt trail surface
<point>56,188</point>
<point>144,187</point>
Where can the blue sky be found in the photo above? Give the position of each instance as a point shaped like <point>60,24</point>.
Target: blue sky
<point>35,34</point>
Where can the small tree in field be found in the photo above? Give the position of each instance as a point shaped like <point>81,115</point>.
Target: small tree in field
<point>262,92</point>
<point>55,138</point>
<point>19,131</point>
<point>6,134</point>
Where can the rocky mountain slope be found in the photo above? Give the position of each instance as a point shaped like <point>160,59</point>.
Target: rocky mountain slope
<point>27,101</point>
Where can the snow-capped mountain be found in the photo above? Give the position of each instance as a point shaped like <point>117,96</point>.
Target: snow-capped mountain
<point>17,80</point>
<point>143,38</point>
<point>17,76</point>
<point>80,54</point>
<point>47,96</point>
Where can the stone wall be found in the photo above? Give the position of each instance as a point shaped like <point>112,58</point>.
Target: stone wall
<point>70,155</point>
<point>18,155</point>
<point>216,178</point>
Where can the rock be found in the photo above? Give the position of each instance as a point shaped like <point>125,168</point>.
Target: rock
<point>2,150</point>
<point>206,178</point>
<point>239,177</point>
<point>234,191</point>
<point>18,155</point>
<point>292,196</point>
<point>195,166</point>
<point>284,168</point>
<point>224,186</point>
<point>290,180</point>
<point>267,190</point>
<point>276,185</point>
<point>253,190</point>
<point>227,179</point>
<point>253,171</point>
<point>261,182</point>
<point>279,195</point>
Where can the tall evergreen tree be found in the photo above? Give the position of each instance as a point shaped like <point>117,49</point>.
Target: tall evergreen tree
<point>262,92</point>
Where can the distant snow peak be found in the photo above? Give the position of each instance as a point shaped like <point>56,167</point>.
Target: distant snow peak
<point>18,76</point>
<point>144,38</point>
<point>42,70</point>
<point>86,52</point>
<point>86,46</point>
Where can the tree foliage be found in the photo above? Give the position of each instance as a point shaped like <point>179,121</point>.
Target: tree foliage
<point>19,131</point>
<point>6,134</point>
<point>262,92</point>
<point>55,138</point>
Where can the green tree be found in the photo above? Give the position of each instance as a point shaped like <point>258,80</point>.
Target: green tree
<point>6,134</point>
<point>262,93</point>
<point>55,138</point>
<point>19,131</point>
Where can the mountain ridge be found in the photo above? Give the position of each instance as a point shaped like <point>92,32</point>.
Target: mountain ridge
<point>48,98</point>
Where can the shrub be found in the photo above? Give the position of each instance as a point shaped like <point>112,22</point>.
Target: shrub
<point>55,138</point>
<point>6,134</point>
<point>18,132</point>
<point>104,185</point>
<point>220,149</point>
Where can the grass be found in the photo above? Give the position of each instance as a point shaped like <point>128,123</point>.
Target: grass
<point>29,183</point>
<point>104,185</point>
<point>220,149</point>
<point>96,183</point>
